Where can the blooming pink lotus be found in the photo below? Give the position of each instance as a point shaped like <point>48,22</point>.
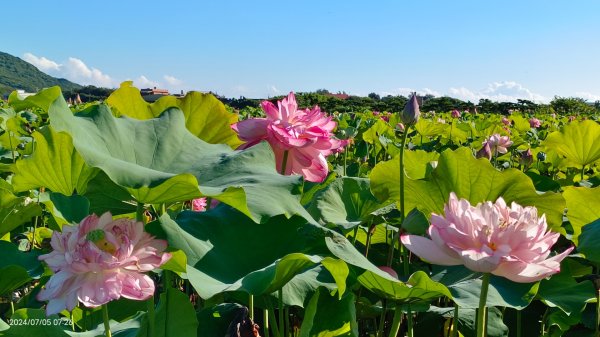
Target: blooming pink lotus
<point>306,135</point>
<point>100,260</point>
<point>199,205</point>
<point>491,238</point>
<point>455,113</point>
<point>497,143</point>
<point>535,123</point>
<point>505,121</point>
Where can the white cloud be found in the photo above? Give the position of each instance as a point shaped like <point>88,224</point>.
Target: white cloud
<point>77,71</point>
<point>588,96</point>
<point>273,89</point>
<point>506,91</point>
<point>144,82</point>
<point>74,70</point>
<point>172,80</point>
<point>408,91</point>
<point>41,63</point>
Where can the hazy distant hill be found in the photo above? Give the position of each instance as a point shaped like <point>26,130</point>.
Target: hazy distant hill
<point>18,74</point>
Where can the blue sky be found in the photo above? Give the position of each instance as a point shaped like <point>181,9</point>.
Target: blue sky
<point>500,50</point>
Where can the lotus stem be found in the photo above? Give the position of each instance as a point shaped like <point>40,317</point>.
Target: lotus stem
<point>272,319</point>
<point>481,319</point>
<point>455,321</point>
<point>345,160</point>
<point>251,306</point>
<point>391,250</point>
<point>396,322</point>
<point>280,312</point>
<point>382,318</point>
<point>106,322</point>
<point>284,162</point>
<point>582,172</point>
<point>151,316</point>
<point>139,212</point>
<point>409,321</point>
<point>266,321</point>
<point>518,323</point>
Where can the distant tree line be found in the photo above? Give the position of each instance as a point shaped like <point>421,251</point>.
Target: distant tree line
<point>373,102</point>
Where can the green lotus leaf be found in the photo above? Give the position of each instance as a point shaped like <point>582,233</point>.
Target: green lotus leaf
<point>205,116</point>
<point>429,128</point>
<point>579,142</point>
<point>41,100</point>
<point>327,316</point>
<point>175,315</point>
<point>346,202</point>
<point>17,212</point>
<point>521,123</point>
<point>17,267</point>
<point>465,286</point>
<point>55,164</point>
<point>579,211</point>
<point>564,292</point>
<point>589,244</point>
<point>418,288</point>
<point>221,237</point>
<point>210,241</point>
<point>160,161</point>
<point>474,179</point>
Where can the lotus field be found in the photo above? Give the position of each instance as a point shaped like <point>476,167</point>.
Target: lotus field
<point>182,218</point>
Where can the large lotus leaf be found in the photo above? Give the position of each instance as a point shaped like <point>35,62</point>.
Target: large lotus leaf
<point>346,202</point>
<point>380,128</point>
<point>521,123</point>
<point>175,315</point>
<point>564,292</point>
<point>215,240</point>
<point>589,244</point>
<point>465,286</point>
<point>106,196</point>
<point>429,128</point>
<point>205,116</point>
<point>17,212</point>
<point>211,242</point>
<point>579,142</point>
<point>55,164</point>
<point>41,100</point>
<point>474,179</point>
<point>420,286</point>
<point>159,161</point>
<point>583,207</point>
<point>327,316</point>
<point>17,267</point>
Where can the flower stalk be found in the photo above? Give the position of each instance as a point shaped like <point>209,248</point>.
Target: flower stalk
<point>106,321</point>
<point>481,312</point>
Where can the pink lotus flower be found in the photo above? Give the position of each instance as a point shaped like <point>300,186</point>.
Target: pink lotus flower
<point>100,260</point>
<point>535,123</point>
<point>199,205</point>
<point>455,113</point>
<point>511,242</point>
<point>497,143</point>
<point>505,121</point>
<point>485,152</point>
<point>305,134</point>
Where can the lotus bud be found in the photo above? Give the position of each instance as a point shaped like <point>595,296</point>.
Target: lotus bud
<point>485,152</point>
<point>541,156</point>
<point>410,114</point>
<point>455,113</point>
<point>526,158</point>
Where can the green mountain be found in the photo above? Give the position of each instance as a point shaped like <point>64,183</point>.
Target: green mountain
<point>18,74</point>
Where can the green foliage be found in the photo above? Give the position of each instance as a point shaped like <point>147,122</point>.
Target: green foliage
<point>18,74</point>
